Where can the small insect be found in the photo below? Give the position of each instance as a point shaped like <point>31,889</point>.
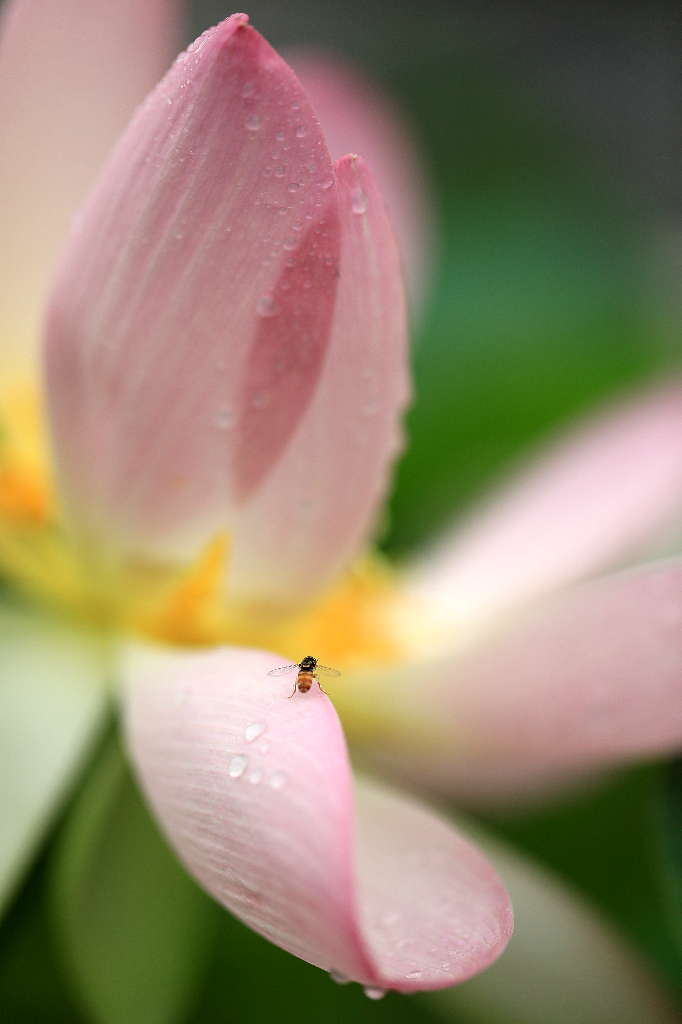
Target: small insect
<point>307,673</point>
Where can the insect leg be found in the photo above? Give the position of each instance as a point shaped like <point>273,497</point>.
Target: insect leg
<point>294,690</point>
<point>321,687</point>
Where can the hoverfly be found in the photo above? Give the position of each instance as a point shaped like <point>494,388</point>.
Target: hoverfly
<point>307,673</point>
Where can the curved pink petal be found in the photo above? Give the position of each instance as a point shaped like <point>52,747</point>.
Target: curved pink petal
<point>254,792</point>
<point>587,501</point>
<point>70,75</point>
<point>192,312</point>
<point>320,501</point>
<point>590,680</point>
<point>358,118</point>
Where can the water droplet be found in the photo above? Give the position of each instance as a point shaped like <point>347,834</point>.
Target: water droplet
<point>358,199</point>
<point>263,748</point>
<point>253,731</point>
<point>280,170</point>
<point>339,978</point>
<point>278,780</point>
<point>260,400</point>
<point>224,419</point>
<point>413,974</point>
<point>248,89</point>
<point>255,776</point>
<point>237,766</point>
<point>293,186</point>
<point>280,136</point>
<point>301,131</point>
<point>291,244</point>
<point>374,993</point>
<point>326,183</point>
<point>390,919</point>
<point>295,106</point>
<point>252,123</point>
<point>266,306</point>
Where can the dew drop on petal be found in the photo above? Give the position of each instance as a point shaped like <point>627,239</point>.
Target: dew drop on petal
<point>339,978</point>
<point>260,400</point>
<point>255,776</point>
<point>263,748</point>
<point>237,766</point>
<point>224,419</point>
<point>413,974</point>
<point>252,123</point>
<point>278,780</point>
<point>300,131</point>
<point>253,731</point>
<point>374,993</point>
<point>248,89</point>
<point>326,183</point>
<point>267,306</point>
<point>390,919</point>
<point>358,199</point>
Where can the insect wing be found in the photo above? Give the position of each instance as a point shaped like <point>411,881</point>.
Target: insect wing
<point>326,670</point>
<point>282,670</point>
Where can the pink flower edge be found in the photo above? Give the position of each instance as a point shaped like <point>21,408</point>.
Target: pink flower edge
<point>254,792</point>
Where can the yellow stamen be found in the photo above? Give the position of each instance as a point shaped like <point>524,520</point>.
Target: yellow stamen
<point>25,488</point>
<point>189,609</point>
<point>352,625</point>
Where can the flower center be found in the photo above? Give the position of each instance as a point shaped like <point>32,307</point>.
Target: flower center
<point>353,624</point>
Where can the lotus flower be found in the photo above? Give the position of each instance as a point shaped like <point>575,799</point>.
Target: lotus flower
<point>225,374</point>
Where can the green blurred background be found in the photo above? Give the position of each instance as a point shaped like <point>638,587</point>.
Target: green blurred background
<point>549,136</point>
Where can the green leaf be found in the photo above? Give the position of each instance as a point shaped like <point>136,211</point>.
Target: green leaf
<point>53,700</point>
<point>604,839</point>
<point>135,929</point>
<point>32,986</point>
<point>670,822</point>
<point>564,963</point>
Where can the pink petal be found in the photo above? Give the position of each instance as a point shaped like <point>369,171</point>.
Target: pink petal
<point>358,118</point>
<point>183,344</point>
<point>592,679</point>
<point>319,503</point>
<point>587,501</point>
<point>254,792</point>
<point>70,75</point>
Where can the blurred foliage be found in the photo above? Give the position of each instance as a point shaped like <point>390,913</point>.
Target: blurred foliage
<point>539,308</point>
<point>133,928</point>
<point>33,989</point>
<point>670,825</point>
<point>605,840</point>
